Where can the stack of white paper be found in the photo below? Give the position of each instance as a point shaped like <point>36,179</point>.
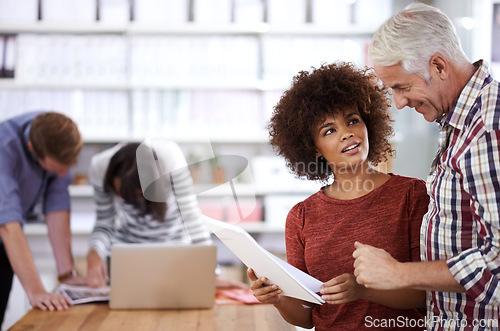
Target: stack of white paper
<point>292,281</point>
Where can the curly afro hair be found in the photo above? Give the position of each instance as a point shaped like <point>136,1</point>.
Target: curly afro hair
<point>322,92</point>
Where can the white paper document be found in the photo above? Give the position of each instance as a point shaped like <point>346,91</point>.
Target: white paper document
<point>292,281</point>
<point>83,294</point>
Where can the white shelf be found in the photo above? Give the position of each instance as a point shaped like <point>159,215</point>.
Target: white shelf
<point>12,83</point>
<point>62,27</point>
<point>187,28</point>
<point>257,85</point>
<point>40,229</point>
<point>179,140</point>
<point>81,191</point>
<point>208,191</point>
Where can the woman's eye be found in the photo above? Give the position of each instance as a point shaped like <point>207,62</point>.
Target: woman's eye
<point>354,121</point>
<point>329,131</point>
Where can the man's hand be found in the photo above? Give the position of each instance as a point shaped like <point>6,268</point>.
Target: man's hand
<point>375,268</point>
<point>342,289</point>
<point>76,280</point>
<point>49,301</point>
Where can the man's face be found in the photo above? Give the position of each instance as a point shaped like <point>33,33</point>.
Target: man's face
<point>54,166</point>
<point>413,91</point>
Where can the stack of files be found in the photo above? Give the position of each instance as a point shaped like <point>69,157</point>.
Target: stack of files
<point>208,113</point>
<point>98,114</point>
<point>307,52</point>
<point>192,60</point>
<point>83,59</point>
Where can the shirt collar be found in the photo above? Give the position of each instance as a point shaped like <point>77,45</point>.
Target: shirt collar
<point>26,138</point>
<point>467,99</point>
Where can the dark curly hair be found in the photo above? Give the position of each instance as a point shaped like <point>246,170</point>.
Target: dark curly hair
<point>322,92</point>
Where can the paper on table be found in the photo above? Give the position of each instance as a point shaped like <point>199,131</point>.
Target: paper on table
<point>83,294</point>
<point>292,281</point>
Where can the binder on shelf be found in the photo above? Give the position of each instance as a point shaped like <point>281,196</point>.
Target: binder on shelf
<point>364,12</point>
<point>7,56</point>
<point>18,11</point>
<point>78,59</point>
<point>212,11</point>
<point>114,11</point>
<point>286,12</point>
<point>332,13</point>
<point>248,11</point>
<point>2,55</point>
<point>69,10</point>
<point>161,12</point>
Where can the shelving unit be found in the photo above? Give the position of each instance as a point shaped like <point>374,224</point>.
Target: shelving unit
<point>261,91</point>
<point>17,95</point>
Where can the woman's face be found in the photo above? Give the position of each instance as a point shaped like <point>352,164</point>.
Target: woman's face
<point>342,139</point>
<point>117,185</point>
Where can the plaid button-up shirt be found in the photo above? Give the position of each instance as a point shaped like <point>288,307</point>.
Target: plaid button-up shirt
<point>462,225</point>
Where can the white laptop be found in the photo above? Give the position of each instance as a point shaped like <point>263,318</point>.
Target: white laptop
<point>162,276</point>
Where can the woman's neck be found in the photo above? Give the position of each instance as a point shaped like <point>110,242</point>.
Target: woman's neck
<point>354,183</point>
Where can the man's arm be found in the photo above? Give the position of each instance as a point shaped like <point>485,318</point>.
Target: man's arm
<point>60,238</point>
<point>375,268</point>
<point>22,263</point>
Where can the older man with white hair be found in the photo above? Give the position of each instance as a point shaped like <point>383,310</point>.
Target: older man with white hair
<point>418,54</point>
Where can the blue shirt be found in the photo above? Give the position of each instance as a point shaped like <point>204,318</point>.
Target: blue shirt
<point>23,182</point>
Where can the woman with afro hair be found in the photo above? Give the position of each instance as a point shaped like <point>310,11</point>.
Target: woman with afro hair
<point>333,126</point>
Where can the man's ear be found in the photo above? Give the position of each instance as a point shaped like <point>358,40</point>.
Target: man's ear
<point>439,65</point>
<point>30,146</point>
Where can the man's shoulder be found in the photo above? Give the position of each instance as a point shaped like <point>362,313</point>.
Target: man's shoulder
<point>489,102</point>
<point>22,118</point>
<point>11,130</point>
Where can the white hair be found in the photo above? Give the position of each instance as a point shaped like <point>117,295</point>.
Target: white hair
<point>412,36</point>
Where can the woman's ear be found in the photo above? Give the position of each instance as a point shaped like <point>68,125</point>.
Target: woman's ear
<point>30,146</point>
